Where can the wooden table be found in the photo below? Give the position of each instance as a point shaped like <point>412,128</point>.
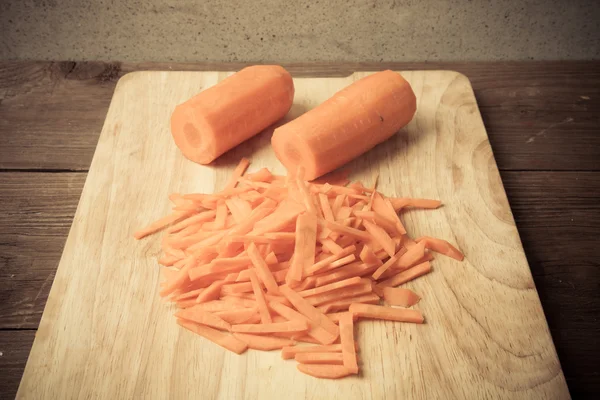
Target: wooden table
<point>543,120</point>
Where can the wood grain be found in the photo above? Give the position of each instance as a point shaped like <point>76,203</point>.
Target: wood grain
<point>14,349</point>
<point>484,315</point>
<point>36,212</point>
<point>51,113</point>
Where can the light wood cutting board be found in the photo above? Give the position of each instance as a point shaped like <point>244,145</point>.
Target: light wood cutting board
<point>106,334</point>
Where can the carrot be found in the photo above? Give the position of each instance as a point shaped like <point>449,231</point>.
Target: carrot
<point>325,262</point>
<point>192,220</point>
<point>368,257</point>
<point>353,121</point>
<point>382,237</point>
<point>221,338</point>
<point>364,286</point>
<point>332,246</point>
<point>286,212</point>
<point>211,292</point>
<point>326,207</point>
<point>289,352</point>
<point>344,230</point>
<point>262,175</point>
<point>305,308</point>
<point>264,343</point>
<point>160,224</point>
<point>200,316</point>
<point>384,208</point>
<point>400,203</point>
<point>289,326</point>
<point>344,304</point>
<point>400,297</point>
<point>319,358</point>
<point>347,341</point>
<point>315,330</point>
<point>324,370</point>
<point>336,316</point>
<point>262,269</point>
<point>304,250</point>
<point>387,313</point>
<point>336,178</point>
<point>265,315</point>
<point>407,275</point>
<point>332,286</point>
<point>412,255</point>
<point>442,247</point>
<point>203,127</point>
<point>238,316</point>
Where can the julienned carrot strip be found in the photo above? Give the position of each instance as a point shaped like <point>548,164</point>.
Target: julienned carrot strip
<point>304,250</point>
<point>286,212</point>
<point>237,173</point>
<point>221,338</point>
<point>240,287</point>
<point>289,352</point>
<point>344,304</point>
<point>339,263</point>
<point>322,264</point>
<point>380,235</point>
<point>265,315</point>
<point>332,286</point>
<point>221,216</point>
<point>319,358</point>
<point>289,326</point>
<point>338,177</point>
<point>347,271</point>
<point>332,246</point>
<point>324,370</point>
<point>400,297</point>
<point>192,220</point>
<point>363,287</point>
<point>262,175</point>
<point>212,292</point>
<point>386,265</point>
<point>347,341</point>
<point>401,202</point>
<point>305,308</point>
<point>336,316</point>
<point>200,316</point>
<point>161,224</point>
<point>387,313</point>
<point>265,343</point>
<point>262,270</point>
<point>239,316</point>
<point>344,230</point>
<point>326,207</point>
<point>216,305</point>
<point>442,247</point>
<point>407,275</point>
<point>315,330</point>
<point>368,257</point>
<point>180,279</point>
<point>412,255</point>
<point>220,266</point>
<point>385,209</point>
<point>239,302</point>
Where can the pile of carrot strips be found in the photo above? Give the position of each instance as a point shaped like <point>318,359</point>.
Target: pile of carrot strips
<point>273,261</point>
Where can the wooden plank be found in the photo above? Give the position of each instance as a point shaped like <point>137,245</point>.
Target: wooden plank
<point>467,344</point>
<point>51,113</point>
<point>36,211</point>
<point>14,350</point>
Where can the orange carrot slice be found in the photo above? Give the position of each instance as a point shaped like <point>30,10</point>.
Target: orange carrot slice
<point>264,343</point>
<point>407,275</point>
<point>344,304</point>
<point>442,247</point>
<point>400,297</point>
<point>315,331</point>
<point>262,270</point>
<point>347,341</point>
<point>289,326</point>
<point>212,292</point>
<point>332,286</point>
<point>304,250</point>
<point>387,313</point>
<point>221,338</point>
<point>305,308</point>
<point>200,316</point>
<point>319,358</point>
<point>161,224</point>
<point>400,203</point>
<point>237,316</point>
<point>265,315</point>
<point>325,371</point>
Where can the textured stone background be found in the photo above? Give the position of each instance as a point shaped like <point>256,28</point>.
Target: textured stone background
<point>297,31</point>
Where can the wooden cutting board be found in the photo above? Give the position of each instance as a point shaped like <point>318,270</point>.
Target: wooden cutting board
<point>106,334</point>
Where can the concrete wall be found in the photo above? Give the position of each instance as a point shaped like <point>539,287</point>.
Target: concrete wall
<point>299,31</point>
